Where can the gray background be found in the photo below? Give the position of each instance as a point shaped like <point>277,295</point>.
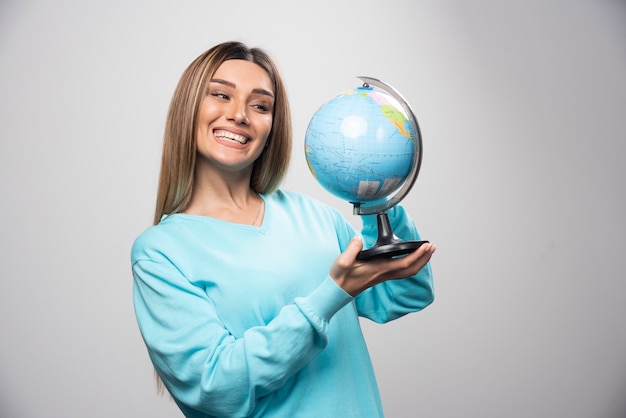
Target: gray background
<point>522,109</point>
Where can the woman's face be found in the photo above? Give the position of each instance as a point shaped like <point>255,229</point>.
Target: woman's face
<point>235,117</point>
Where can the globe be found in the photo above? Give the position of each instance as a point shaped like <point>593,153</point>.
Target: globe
<point>360,145</point>
<point>364,146</point>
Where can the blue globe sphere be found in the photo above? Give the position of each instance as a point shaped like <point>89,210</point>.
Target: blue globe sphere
<point>360,146</point>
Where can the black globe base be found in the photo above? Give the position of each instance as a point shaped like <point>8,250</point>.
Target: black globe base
<point>388,245</point>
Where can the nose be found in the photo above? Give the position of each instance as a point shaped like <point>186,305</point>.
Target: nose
<point>237,113</point>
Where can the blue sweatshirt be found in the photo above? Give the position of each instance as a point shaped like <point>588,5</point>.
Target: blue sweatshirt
<point>244,321</point>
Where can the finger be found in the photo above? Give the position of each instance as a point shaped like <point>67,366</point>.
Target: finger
<point>426,249</point>
<point>430,250</point>
<point>426,252</point>
<point>421,251</point>
<point>414,261</point>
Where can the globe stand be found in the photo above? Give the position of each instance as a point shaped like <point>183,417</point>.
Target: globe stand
<point>387,244</point>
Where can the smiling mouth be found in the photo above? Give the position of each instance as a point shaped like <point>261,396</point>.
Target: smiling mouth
<point>240,139</point>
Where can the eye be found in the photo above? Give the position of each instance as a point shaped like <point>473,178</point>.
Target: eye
<point>261,107</point>
<point>262,104</point>
<point>219,95</point>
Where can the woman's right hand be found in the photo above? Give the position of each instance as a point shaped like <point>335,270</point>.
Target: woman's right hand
<point>354,276</point>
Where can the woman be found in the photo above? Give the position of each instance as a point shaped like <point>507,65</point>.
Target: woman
<point>248,296</point>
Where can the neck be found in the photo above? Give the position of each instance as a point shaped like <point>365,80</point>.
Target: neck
<point>227,198</point>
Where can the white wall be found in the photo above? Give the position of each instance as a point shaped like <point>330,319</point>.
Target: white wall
<point>522,107</point>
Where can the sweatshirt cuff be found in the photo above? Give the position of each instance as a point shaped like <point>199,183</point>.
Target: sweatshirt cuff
<point>325,301</point>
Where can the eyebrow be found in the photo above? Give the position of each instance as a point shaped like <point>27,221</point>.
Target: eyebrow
<point>231,84</point>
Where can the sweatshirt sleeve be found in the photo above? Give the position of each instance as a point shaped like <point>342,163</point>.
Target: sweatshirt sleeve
<point>395,298</point>
<point>203,365</point>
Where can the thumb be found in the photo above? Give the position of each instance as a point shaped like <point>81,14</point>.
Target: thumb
<point>354,247</point>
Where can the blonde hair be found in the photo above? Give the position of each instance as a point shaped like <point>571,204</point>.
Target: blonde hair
<point>178,158</point>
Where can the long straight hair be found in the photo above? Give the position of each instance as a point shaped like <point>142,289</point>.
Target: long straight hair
<point>178,158</point>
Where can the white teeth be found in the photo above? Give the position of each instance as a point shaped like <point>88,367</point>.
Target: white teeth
<point>233,137</point>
